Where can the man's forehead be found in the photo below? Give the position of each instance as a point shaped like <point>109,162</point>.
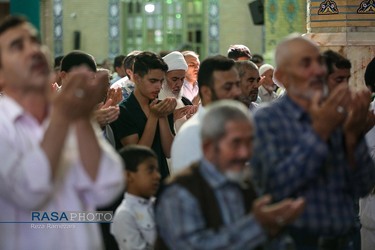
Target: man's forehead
<point>226,75</point>
<point>294,50</point>
<point>155,73</point>
<point>223,77</point>
<point>302,48</point>
<point>342,71</point>
<point>231,126</point>
<point>251,71</point>
<point>19,30</point>
<point>191,58</point>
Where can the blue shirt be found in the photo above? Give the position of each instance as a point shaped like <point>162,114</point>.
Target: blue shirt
<point>182,225</point>
<point>290,160</point>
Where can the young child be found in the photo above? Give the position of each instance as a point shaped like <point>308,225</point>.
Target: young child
<point>133,225</point>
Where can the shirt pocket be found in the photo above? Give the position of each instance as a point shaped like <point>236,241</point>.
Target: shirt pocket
<point>146,226</point>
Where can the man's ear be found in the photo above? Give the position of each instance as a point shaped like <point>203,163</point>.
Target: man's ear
<point>209,149</point>
<point>280,76</point>
<point>129,176</point>
<point>137,78</point>
<point>129,72</point>
<point>206,94</point>
<point>62,75</point>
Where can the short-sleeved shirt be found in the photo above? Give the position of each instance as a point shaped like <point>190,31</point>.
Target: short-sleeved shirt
<point>132,120</point>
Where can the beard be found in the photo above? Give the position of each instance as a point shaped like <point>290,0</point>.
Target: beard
<point>308,94</point>
<point>242,177</point>
<point>166,91</point>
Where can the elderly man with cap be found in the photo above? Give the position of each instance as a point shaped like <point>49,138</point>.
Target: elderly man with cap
<point>172,87</point>
<point>268,87</point>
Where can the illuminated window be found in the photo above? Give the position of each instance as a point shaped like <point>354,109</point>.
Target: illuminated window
<point>162,25</point>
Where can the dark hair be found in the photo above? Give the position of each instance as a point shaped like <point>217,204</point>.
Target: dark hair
<point>370,75</point>
<point>77,58</point>
<point>146,61</point>
<point>211,64</point>
<point>133,155</point>
<point>257,58</point>
<point>238,50</point>
<point>10,22</point>
<point>243,66</point>
<point>57,62</point>
<point>163,53</point>
<point>117,62</point>
<point>334,59</point>
<point>129,61</point>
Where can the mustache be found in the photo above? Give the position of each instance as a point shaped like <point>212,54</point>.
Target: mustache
<point>318,79</point>
<point>241,161</point>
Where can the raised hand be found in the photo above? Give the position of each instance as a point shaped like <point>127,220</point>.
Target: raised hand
<point>115,95</point>
<point>359,117</point>
<point>192,110</point>
<point>181,112</point>
<point>106,113</point>
<point>274,217</point>
<point>54,87</point>
<point>163,108</point>
<point>80,94</point>
<point>262,81</point>
<point>330,113</point>
<point>196,100</point>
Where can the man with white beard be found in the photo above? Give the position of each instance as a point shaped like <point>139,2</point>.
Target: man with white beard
<point>211,204</point>
<point>172,87</point>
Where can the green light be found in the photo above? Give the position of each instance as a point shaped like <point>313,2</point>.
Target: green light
<point>178,16</point>
<point>169,1</point>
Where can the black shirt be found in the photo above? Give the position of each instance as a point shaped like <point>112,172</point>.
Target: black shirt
<point>132,120</point>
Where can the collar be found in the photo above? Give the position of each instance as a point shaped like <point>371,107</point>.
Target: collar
<point>263,91</point>
<point>13,110</point>
<point>292,109</point>
<point>189,85</point>
<point>213,176</point>
<point>133,199</point>
<point>253,106</point>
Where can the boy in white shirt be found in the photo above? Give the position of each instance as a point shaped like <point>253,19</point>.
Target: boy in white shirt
<point>133,224</point>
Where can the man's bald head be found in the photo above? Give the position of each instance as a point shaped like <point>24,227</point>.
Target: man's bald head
<point>290,46</point>
<point>300,68</point>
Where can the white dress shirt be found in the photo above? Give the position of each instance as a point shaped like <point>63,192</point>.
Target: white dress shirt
<point>134,225</point>
<point>26,185</point>
<point>265,96</point>
<point>115,79</point>
<point>190,91</point>
<point>187,144</point>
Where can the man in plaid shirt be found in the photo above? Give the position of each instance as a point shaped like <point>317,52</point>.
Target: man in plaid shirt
<point>310,143</point>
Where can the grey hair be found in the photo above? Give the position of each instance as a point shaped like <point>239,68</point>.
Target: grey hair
<point>218,114</point>
<point>243,66</point>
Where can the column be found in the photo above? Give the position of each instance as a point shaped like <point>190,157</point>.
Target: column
<point>346,26</point>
